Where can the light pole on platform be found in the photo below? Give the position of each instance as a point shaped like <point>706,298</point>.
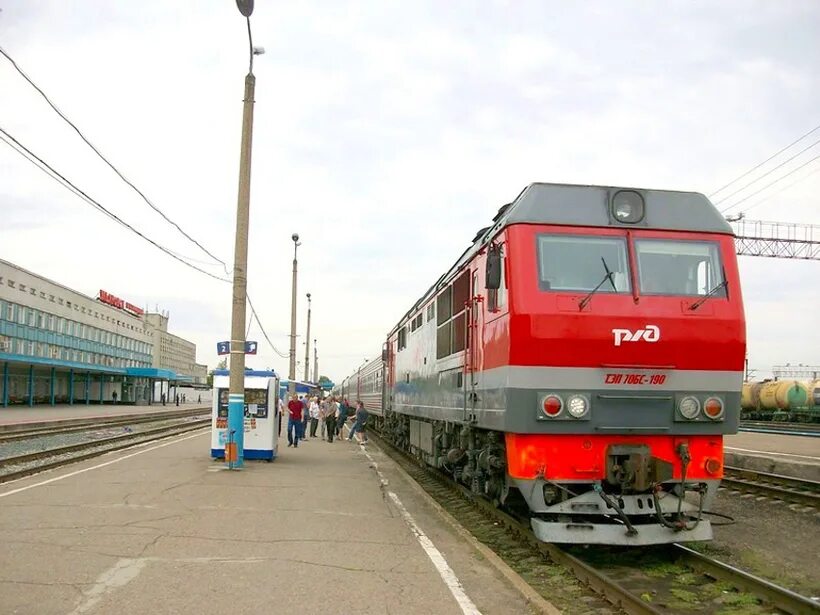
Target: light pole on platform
<point>292,367</point>
<point>307,345</point>
<point>234,448</point>
<point>315,363</point>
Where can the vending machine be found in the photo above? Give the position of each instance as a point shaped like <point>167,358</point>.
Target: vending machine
<point>261,415</point>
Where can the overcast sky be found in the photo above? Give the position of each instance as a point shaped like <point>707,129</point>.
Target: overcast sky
<point>386,134</point>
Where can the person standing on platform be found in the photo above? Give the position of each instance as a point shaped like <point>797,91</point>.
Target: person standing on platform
<point>305,415</point>
<point>359,425</point>
<point>344,410</point>
<point>323,416</point>
<point>114,396</point>
<point>314,417</point>
<point>281,407</point>
<point>331,415</point>
<point>294,421</point>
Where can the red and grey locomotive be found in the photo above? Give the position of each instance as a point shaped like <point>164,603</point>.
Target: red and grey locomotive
<point>581,360</point>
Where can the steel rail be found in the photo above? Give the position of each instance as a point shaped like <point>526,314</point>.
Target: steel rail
<point>779,597</point>
<point>119,443</point>
<point>776,486</point>
<point>806,430</point>
<point>21,431</point>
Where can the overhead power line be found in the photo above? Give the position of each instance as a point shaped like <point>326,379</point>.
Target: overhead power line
<point>772,157</point>
<point>782,188</point>
<point>264,333</point>
<point>106,161</point>
<point>46,168</point>
<point>767,173</point>
<point>781,178</point>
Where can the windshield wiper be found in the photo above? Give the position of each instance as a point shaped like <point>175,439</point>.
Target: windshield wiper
<point>583,302</point>
<point>700,302</point>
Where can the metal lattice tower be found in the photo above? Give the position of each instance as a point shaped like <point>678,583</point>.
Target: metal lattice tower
<point>807,372</point>
<point>776,239</point>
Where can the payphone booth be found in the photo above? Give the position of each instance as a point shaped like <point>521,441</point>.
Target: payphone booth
<point>261,415</point>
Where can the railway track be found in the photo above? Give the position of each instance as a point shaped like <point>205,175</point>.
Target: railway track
<point>14,432</point>
<point>19,466</point>
<point>774,486</point>
<point>810,430</point>
<point>628,579</point>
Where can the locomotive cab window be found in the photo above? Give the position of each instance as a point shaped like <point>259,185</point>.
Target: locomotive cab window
<point>497,297</point>
<point>574,263</point>
<point>679,267</point>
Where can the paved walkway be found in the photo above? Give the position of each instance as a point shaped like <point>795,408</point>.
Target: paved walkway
<point>781,454</point>
<point>38,414</point>
<point>164,529</point>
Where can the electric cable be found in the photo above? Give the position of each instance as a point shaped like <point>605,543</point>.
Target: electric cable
<point>66,183</point>
<point>781,178</point>
<point>786,187</point>
<point>773,156</point>
<point>264,333</point>
<point>106,161</point>
<point>769,172</point>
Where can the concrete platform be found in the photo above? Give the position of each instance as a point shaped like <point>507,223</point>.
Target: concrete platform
<point>777,453</point>
<point>23,415</point>
<point>164,529</point>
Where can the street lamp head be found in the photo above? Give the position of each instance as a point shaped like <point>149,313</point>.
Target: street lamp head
<point>295,237</point>
<point>308,296</point>
<point>258,51</point>
<point>245,7</point>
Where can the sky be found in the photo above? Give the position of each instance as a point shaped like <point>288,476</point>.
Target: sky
<point>386,134</point>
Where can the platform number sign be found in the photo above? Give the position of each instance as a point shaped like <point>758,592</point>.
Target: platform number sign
<point>225,347</point>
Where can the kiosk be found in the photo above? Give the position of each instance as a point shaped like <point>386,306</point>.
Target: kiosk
<point>261,414</point>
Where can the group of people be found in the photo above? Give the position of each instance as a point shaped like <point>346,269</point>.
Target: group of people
<point>330,413</point>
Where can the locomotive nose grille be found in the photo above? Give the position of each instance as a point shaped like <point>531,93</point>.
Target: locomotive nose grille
<point>633,412</point>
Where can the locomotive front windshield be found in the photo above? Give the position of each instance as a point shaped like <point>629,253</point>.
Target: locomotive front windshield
<point>678,267</point>
<point>665,267</point>
<point>577,263</point>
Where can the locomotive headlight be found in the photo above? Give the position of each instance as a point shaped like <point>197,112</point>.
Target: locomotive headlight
<point>627,206</point>
<point>713,408</point>
<point>577,406</point>
<point>689,407</point>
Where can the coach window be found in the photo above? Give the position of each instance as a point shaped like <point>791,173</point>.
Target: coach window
<point>678,267</point>
<point>402,338</point>
<point>574,263</point>
<point>497,298</point>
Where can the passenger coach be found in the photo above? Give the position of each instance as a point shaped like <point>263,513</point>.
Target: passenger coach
<point>581,360</point>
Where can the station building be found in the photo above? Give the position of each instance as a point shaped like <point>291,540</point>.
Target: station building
<point>58,345</point>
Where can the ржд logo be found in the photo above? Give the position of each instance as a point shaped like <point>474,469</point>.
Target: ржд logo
<point>649,334</point>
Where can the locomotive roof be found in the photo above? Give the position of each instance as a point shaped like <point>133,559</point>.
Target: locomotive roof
<point>587,205</point>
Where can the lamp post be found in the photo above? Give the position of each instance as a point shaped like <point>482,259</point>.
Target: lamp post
<point>292,369</point>
<point>234,449</point>
<point>307,345</point>
<point>315,363</point>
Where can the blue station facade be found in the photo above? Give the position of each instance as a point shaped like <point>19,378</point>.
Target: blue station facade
<point>59,346</point>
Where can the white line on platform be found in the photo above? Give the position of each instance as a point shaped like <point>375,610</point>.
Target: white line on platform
<point>445,572</point>
<point>748,450</point>
<point>120,574</point>
<point>99,465</point>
